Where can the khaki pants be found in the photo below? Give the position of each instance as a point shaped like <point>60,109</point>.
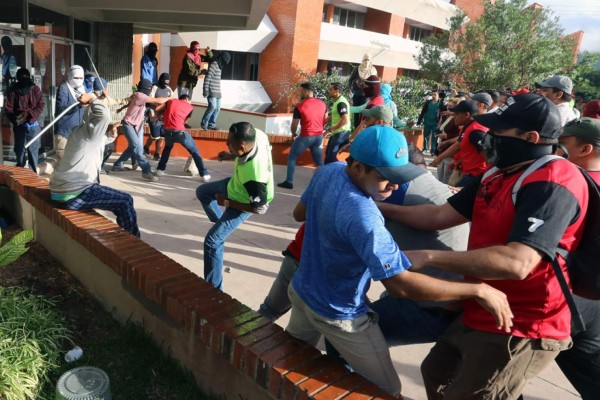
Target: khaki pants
<point>359,341</point>
<point>467,364</point>
<point>60,142</point>
<point>455,177</point>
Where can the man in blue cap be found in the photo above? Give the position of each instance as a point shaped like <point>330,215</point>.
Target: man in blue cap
<point>346,245</point>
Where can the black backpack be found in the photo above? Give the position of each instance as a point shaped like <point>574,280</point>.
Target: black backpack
<point>583,263</point>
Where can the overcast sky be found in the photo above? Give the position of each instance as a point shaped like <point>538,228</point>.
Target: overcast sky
<point>578,15</point>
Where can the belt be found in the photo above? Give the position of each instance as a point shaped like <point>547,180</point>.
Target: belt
<point>174,131</point>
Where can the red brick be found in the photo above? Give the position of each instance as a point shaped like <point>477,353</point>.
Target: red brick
<point>340,387</point>
<point>210,328</point>
<point>247,348</point>
<point>281,366</point>
<point>295,377</point>
<point>323,379</point>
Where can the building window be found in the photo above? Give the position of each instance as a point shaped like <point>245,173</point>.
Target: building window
<point>11,14</point>
<point>83,30</point>
<point>349,18</point>
<point>411,73</point>
<point>42,20</point>
<point>242,67</point>
<point>418,34</point>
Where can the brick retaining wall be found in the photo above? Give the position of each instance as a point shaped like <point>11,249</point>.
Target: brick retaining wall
<point>203,327</point>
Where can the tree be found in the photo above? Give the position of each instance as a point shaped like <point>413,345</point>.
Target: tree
<point>586,75</point>
<point>511,44</point>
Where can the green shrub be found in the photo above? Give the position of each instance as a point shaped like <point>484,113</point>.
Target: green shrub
<point>31,335</point>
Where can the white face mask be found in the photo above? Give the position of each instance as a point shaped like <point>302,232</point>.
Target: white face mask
<point>75,72</point>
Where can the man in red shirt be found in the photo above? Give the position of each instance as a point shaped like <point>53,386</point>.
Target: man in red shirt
<point>467,151</point>
<point>176,114</point>
<point>510,248</point>
<point>311,114</point>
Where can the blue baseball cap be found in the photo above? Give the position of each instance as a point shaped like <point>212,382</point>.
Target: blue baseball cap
<point>386,150</point>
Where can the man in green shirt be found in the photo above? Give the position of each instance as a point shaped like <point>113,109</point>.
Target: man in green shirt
<point>340,123</point>
<point>249,191</point>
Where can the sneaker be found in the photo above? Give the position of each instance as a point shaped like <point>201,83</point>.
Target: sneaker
<point>147,153</point>
<point>286,185</point>
<point>205,178</point>
<point>159,172</point>
<point>119,168</point>
<point>213,128</point>
<point>103,172</point>
<point>203,127</point>
<point>187,126</point>
<point>149,176</point>
<point>156,157</point>
<point>134,166</point>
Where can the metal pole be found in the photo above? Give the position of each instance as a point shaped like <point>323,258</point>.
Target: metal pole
<point>51,123</point>
<point>94,66</point>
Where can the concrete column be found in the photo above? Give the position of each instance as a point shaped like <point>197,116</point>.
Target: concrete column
<point>294,49</point>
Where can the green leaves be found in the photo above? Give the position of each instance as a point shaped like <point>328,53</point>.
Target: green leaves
<point>31,335</point>
<point>511,44</point>
<point>15,248</point>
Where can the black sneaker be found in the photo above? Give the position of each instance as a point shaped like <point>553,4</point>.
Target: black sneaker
<point>203,127</point>
<point>286,185</point>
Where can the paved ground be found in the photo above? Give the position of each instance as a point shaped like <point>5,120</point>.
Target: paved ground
<point>171,219</point>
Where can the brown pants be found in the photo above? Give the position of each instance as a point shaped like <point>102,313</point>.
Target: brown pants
<point>466,364</point>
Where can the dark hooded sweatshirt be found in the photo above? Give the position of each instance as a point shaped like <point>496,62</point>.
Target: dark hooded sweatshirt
<point>24,96</point>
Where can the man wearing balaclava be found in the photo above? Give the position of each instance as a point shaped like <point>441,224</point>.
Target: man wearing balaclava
<point>24,103</point>
<point>360,73</point>
<point>149,64</point>
<point>156,124</point>
<point>68,93</point>
<point>212,90</point>
<point>132,127</point>
<point>512,243</point>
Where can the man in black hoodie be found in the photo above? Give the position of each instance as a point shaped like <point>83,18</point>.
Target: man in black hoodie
<point>212,90</point>
<point>24,103</point>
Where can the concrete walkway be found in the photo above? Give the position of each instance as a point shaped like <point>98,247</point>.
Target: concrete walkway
<point>171,219</point>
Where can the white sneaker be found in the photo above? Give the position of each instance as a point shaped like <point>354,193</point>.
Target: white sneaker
<point>149,176</point>
<point>205,178</point>
<point>160,172</point>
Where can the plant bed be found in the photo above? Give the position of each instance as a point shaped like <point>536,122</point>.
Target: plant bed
<point>136,366</point>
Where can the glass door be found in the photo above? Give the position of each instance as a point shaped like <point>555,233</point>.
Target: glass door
<point>50,62</point>
<point>12,57</point>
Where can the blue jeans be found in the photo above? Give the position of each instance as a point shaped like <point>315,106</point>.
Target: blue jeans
<point>156,129</point>
<point>403,321</point>
<point>183,138</point>
<point>106,198</point>
<point>335,142</point>
<point>23,134</point>
<point>224,224</point>
<point>300,144</point>
<point>135,148</point>
<point>466,180</point>
<point>209,120</point>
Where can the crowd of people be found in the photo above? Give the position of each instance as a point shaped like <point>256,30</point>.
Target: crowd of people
<point>465,258</point>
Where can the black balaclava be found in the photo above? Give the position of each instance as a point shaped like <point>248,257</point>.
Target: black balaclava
<point>223,59</point>
<point>162,80</point>
<point>24,82</point>
<point>503,152</point>
<point>152,50</point>
<point>145,86</point>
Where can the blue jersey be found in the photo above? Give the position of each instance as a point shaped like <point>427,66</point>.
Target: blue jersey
<point>345,245</point>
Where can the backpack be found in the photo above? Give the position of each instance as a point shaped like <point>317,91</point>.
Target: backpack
<point>583,263</point>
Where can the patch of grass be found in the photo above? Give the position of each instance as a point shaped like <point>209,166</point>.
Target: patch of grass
<point>31,336</point>
<point>136,366</point>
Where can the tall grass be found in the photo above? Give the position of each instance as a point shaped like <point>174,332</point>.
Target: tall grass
<point>31,336</point>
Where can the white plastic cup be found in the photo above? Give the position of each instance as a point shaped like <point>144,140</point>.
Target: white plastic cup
<point>74,354</point>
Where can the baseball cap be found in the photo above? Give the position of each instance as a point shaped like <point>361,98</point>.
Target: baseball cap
<point>308,86</point>
<point>586,128</point>
<point>386,150</point>
<point>465,106</point>
<point>380,112</point>
<point>484,98</point>
<point>530,112</point>
<point>559,82</point>
<point>592,109</point>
